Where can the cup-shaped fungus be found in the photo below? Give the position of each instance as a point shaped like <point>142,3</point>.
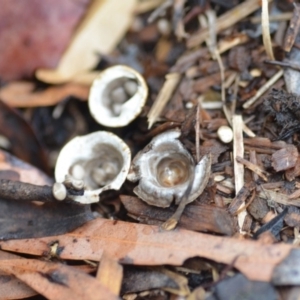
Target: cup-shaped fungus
<point>117,96</point>
<point>165,169</point>
<point>99,160</point>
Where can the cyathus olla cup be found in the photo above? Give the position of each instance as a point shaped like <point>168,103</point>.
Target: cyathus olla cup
<point>100,160</point>
<point>165,169</point>
<point>117,96</point>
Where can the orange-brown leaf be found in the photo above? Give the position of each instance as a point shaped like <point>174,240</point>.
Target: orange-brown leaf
<point>148,245</point>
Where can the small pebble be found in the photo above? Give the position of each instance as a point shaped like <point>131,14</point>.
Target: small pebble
<point>225,134</point>
<point>59,191</point>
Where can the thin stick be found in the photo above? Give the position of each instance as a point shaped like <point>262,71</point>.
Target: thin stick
<point>254,168</point>
<point>238,150</point>
<point>265,24</point>
<point>163,97</point>
<point>263,89</point>
<point>16,190</point>
<point>228,19</point>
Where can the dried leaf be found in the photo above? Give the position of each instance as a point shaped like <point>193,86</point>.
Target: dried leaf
<point>239,287</point>
<point>56,281</point>
<point>10,286</point>
<point>27,220</point>
<point>148,245</point>
<point>22,94</point>
<point>32,36</point>
<point>143,279</point>
<point>92,39</point>
<point>287,272</point>
<point>14,169</point>
<point>24,143</point>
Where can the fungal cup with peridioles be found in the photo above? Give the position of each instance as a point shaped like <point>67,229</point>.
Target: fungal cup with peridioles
<point>117,96</point>
<point>165,169</point>
<point>99,161</point>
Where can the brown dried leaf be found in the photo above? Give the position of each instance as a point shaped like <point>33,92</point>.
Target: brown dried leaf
<point>92,39</point>
<point>148,245</point>
<point>22,94</point>
<point>32,36</point>
<point>24,143</point>
<point>56,281</point>
<point>10,286</point>
<point>15,169</point>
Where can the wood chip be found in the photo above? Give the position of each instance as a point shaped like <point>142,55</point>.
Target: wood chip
<point>285,159</point>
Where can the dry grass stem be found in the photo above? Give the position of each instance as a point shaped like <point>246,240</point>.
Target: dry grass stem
<point>266,29</point>
<point>225,21</point>
<point>263,89</point>
<point>254,168</point>
<point>172,80</point>
<point>238,150</point>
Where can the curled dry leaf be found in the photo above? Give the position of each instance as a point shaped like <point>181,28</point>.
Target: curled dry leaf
<point>139,244</point>
<point>24,143</point>
<point>92,39</point>
<point>22,94</point>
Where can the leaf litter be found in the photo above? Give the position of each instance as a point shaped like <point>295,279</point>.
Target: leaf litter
<point>207,65</point>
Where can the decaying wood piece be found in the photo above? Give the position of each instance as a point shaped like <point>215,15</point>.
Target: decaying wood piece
<point>281,198</point>
<point>240,199</point>
<point>285,159</point>
<point>199,217</point>
<point>139,244</point>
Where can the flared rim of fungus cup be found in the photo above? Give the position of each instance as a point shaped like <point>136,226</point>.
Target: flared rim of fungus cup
<point>165,169</point>
<point>99,160</point>
<point>117,96</point>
